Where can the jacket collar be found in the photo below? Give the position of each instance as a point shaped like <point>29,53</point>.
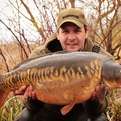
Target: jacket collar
<point>53,44</point>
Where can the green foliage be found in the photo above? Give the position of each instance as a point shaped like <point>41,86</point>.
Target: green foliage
<point>11,109</point>
<point>113,110</point>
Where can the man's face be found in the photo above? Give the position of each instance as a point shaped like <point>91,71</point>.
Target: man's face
<point>71,37</point>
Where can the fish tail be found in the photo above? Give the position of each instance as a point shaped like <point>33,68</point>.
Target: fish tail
<point>3,93</point>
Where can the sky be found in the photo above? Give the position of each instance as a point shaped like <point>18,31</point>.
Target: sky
<point>4,9</point>
<point>7,12</point>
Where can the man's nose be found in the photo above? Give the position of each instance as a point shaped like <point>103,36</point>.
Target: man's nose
<point>71,36</point>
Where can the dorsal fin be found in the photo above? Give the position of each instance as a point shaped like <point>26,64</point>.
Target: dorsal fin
<point>30,59</point>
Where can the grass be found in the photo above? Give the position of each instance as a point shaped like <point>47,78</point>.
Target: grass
<point>113,110</point>
<point>11,109</point>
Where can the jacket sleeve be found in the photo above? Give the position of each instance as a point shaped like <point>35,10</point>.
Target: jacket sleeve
<point>94,108</point>
<point>33,105</point>
<point>39,51</point>
<point>101,50</point>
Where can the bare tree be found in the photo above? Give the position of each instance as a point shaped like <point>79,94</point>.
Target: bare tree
<point>6,64</point>
<point>72,2</point>
<point>14,36</point>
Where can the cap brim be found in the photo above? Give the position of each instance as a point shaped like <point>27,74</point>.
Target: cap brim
<point>76,22</point>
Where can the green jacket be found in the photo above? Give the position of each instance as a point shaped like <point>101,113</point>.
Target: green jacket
<point>53,45</point>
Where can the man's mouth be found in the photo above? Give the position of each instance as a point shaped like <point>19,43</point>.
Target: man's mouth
<point>70,44</point>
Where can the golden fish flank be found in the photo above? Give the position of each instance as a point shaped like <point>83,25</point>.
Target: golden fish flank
<point>62,75</point>
<point>56,76</point>
<point>94,70</point>
<point>71,73</point>
<point>17,76</point>
<point>10,79</point>
<point>68,96</point>
<point>86,68</point>
<point>29,75</point>
<point>22,77</point>
<point>43,74</point>
<point>88,74</point>
<point>81,73</point>
<point>49,74</point>
<point>97,68</point>
<point>56,73</point>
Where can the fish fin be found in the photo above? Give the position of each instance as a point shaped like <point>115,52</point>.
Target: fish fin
<point>67,108</point>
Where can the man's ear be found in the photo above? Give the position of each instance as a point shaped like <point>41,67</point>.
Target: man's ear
<point>57,35</point>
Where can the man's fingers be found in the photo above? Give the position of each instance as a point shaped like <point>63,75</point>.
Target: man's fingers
<point>11,94</point>
<point>30,89</point>
<point>99,92</point>
<point>29,93</point>
<point>21,90</point>
<point>34,95</point>
<point>25,91</point>
<point>26,94</point>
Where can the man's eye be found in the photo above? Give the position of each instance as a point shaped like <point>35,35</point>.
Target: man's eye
<point>78,30</point>
<point>64,31</point>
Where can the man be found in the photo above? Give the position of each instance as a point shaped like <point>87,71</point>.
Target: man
<point>71,36</point>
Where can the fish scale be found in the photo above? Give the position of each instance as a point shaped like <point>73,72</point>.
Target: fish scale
<point>73,78</point>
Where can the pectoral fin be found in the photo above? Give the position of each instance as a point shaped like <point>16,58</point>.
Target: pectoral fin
<point>67,108</point>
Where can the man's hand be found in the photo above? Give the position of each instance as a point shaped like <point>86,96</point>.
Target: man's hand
<point>30,93</point>
<point>99,93</point>
<point>24,92</point>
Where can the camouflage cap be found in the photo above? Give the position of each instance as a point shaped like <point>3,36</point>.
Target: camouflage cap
<point>74,15</point>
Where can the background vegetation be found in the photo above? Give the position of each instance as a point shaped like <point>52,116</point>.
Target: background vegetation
<point>31,22</point>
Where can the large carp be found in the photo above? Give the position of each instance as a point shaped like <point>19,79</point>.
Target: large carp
<point>63,78</point>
